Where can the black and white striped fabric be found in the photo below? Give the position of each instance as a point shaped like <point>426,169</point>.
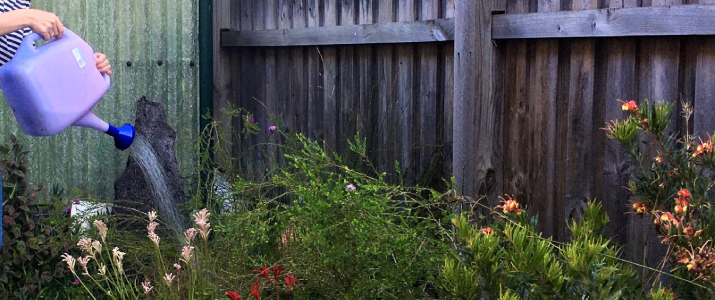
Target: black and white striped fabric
<point>10,42</point>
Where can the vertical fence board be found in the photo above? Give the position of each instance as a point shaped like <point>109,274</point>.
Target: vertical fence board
<point>347,101</point>
<point>476,156</point>
<point>298,90</point>
<point>518,130</point>
<point>222,75</point>
<point>315,98</point>
<point>428,101</point>
<point>386,77</point>
<point>579,158</point>
<point>619,82</point>
<point>367,107</point>
<point>447,98</point>
<point>329,80</point>
<point>405,96</point>
<point>705,89</point>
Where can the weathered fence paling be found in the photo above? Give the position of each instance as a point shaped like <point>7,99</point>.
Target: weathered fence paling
<point>512,99</point>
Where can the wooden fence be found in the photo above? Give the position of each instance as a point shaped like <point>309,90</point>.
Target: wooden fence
<point>507,96</point>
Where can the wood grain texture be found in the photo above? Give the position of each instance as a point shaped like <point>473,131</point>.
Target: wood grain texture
<point>427,168</point>
<point>580,126</point>
<point>447,98</point>
<point>405,98</point>
<point>330,73</point>
<point>386,77</point>
<point>221,74</point>
<point>315,82</point>
<point>618,81</point>
<point>477,121</point>
<point>704,89</point>
<point>439,30</point>
<point>639,21</point>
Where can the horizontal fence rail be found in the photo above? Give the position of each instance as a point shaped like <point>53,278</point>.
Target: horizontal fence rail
<point>638,21</point>
<point>387,33</point>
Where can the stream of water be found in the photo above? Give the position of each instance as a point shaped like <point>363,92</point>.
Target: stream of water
<point>144,155</point>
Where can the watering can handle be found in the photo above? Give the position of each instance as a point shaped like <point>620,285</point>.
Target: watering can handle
<point>107,79</point>
<point>29,41</point>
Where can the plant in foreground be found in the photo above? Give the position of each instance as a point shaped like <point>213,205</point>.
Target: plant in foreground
<point>510,260</point>
<point>672,185</point>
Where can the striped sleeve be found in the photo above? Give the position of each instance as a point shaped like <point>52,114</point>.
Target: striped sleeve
<point>10,42</point>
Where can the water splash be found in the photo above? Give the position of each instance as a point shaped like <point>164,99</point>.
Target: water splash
<point>144,155</point>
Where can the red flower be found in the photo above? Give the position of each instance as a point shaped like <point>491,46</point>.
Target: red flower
<point>277,272</point>
<point>684,194</point>
<point>290,280</point>
<point>256,289</point>
<point>629,106</point>
<point>232,295</point>
<point>265,271</point>
<point>487,230</point>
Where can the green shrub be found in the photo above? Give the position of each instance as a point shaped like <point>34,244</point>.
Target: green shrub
<point>35,233</point>
<point>345,233</point>
<point>672,185</point>
<point>510,260</point>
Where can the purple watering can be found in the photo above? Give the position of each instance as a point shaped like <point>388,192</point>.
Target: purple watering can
<point>54,86</point>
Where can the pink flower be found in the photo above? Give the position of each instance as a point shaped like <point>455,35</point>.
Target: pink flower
<point>169,278</point>
<point>190,235</point>
<point>152,226</point>
<point>83,262</point>
<point>102,229</point>
<point>69,260</point>
<point>154,238</point>
<point>271,128</point>
<point>186,253</point>
<point>152,216</point>
<point>350,188</point>
<point>76,281</point>
<point>202,222</point>
<point>146,285</point>
<point>177,267</point>
<point>85,244</point>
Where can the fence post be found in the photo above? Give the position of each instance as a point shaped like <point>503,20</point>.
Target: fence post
<point>477,111</point>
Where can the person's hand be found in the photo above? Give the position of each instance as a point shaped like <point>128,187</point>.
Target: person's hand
<point>44,23</point>
<point>103,63</point>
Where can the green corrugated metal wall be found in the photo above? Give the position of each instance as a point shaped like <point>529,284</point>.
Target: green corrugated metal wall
<point>140,31</point>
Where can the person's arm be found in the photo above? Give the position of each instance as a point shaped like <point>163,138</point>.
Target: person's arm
<point>44,23</point>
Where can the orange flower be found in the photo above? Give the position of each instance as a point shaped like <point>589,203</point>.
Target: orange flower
<point>640,208</point>
<point>667,218</point>
<point>684,194</point>
<point>680,209</point>
<point>510,206</point>
<point>629,106</point>
<point>487,231</point>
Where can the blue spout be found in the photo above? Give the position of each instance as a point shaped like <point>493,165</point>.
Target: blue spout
<point>123,136</point>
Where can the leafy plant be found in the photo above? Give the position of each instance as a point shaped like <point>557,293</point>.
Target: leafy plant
<point>34,233</point>
<point>348,233</point>
<point>672,185</point>
<point>508,259</point>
